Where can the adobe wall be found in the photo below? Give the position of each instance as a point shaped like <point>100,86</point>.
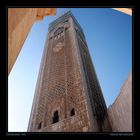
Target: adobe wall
<point>20,21</point>
<point>120,112</point>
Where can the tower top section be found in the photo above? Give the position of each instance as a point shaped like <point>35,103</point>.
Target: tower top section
<point>62,18</point>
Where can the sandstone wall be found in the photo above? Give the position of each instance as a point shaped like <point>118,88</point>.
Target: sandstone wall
<point>20,21</point>
<point>120,112</point>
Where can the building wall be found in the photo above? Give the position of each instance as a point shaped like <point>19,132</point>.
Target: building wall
<point>20,21</point>
<point>61,87</point>
<point>63,84</point>
<point>120,112</point>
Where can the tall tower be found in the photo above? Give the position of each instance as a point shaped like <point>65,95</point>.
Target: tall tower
<point>68,96</point>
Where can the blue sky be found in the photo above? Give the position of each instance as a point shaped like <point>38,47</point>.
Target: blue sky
<point>109,37</point>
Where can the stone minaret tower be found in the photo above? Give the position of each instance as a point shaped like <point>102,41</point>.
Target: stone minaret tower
<point>68,96</point>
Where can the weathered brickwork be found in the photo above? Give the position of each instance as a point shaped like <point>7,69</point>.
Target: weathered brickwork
<point>120,112</point>
<point>68,97</point>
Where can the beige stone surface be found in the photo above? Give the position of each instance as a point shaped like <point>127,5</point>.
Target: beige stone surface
<point>20,21</point>
<point>120,112</point>
<point>124,10</point>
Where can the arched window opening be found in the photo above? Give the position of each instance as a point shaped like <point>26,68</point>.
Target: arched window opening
<point>39,126</point>
<point>50,38</point>
<point>66,28</point>
<point>72,112</point>
<point>65,21</point>
<point>55,117</point>
<point>58,31</point>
